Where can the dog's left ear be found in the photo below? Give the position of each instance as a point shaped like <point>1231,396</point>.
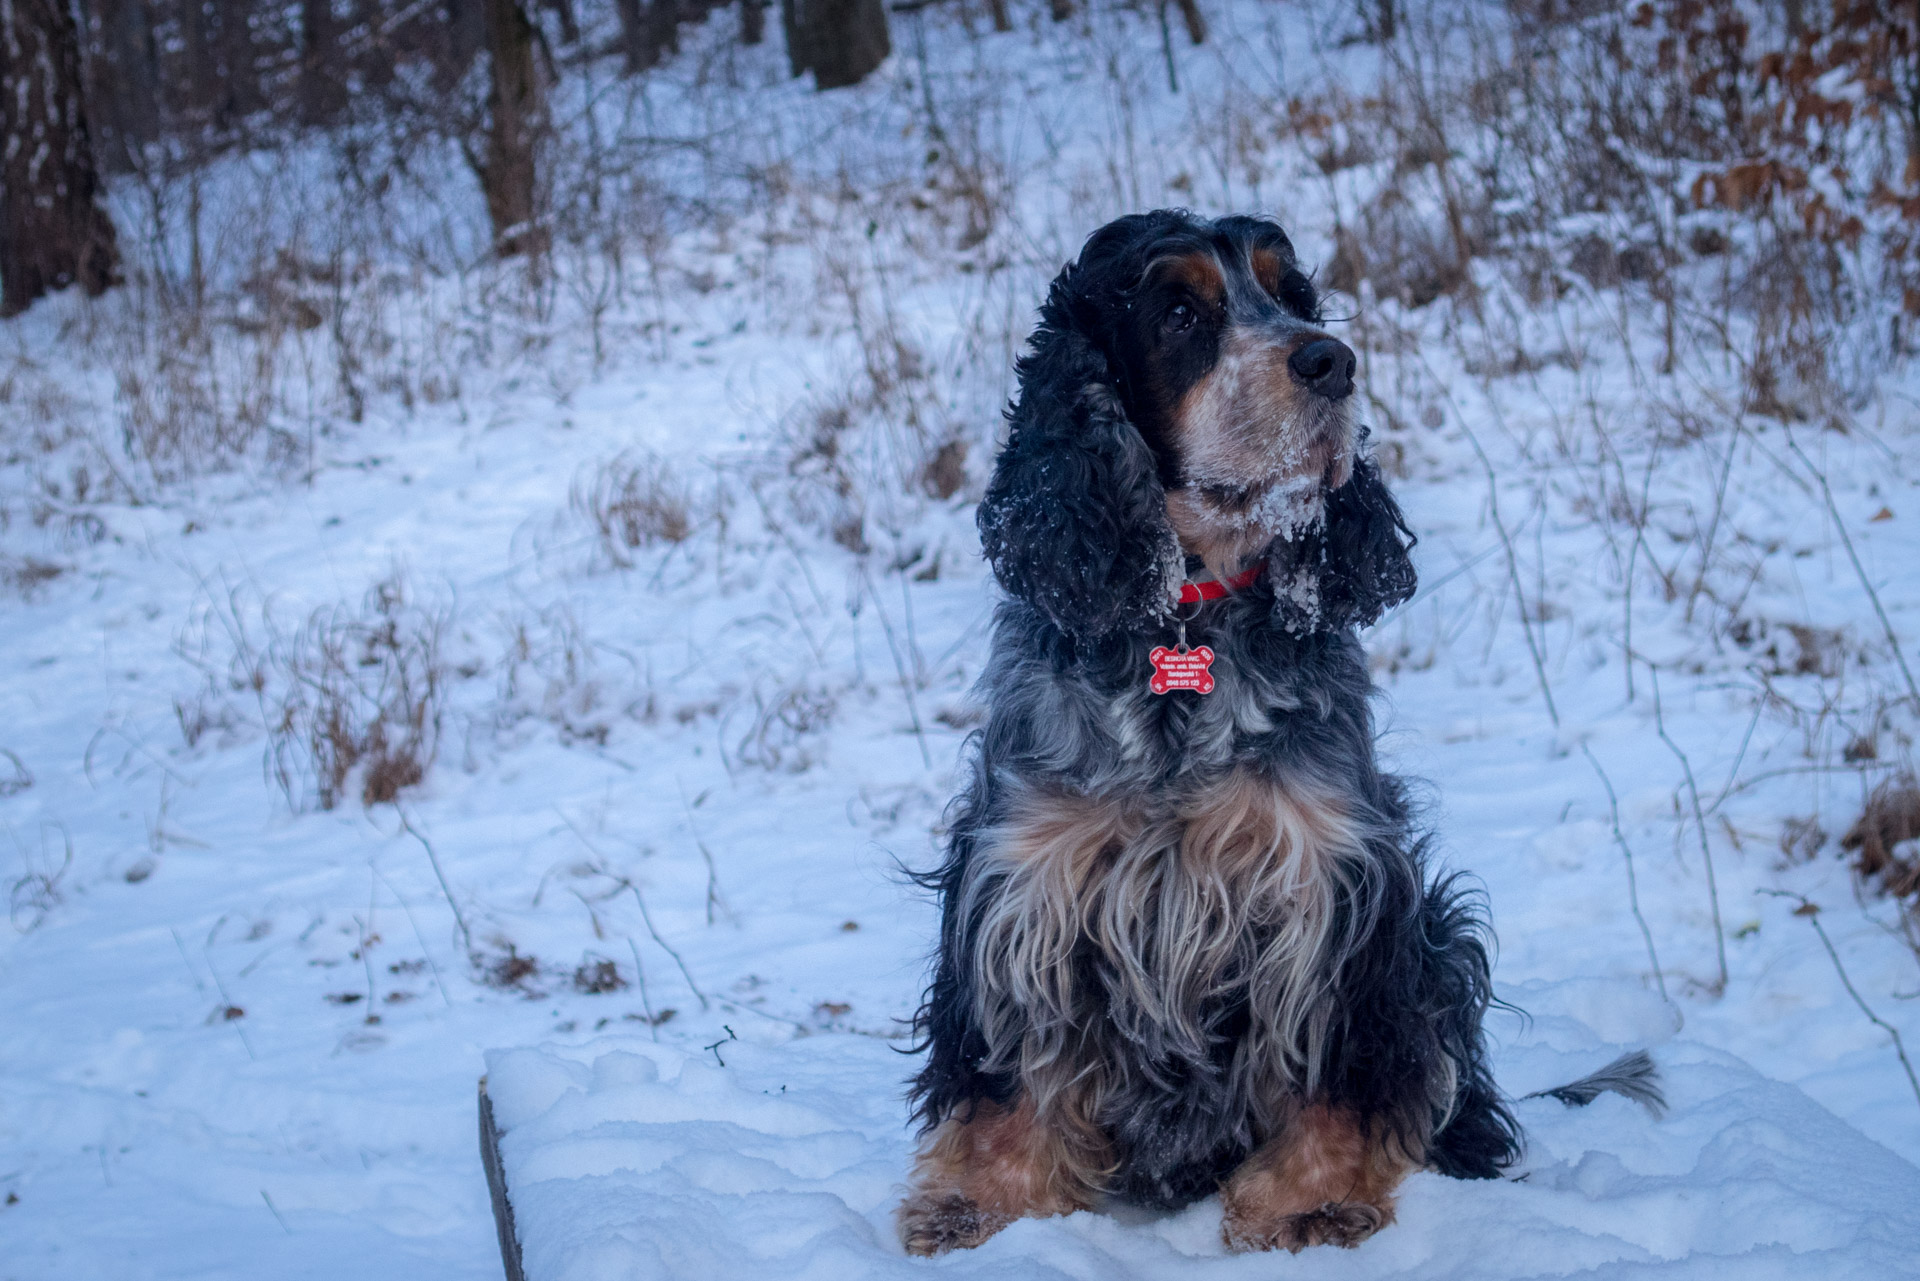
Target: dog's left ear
<point>1074,521</point>
<point>1351,568</point>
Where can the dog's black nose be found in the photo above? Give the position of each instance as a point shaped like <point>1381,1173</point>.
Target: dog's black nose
<point>1326,367</point>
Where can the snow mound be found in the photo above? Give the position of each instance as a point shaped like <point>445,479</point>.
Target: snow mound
<point>633,1160</point>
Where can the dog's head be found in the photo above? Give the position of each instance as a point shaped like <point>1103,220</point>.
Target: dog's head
<point>1181,398</point>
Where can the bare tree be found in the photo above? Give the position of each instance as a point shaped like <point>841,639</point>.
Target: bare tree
<point>1195,20</point>
<point>123,80</point>
<point>321,91</point>
<point>840,41</point>
<point>569,24</point>
<point>199,86</point>
<point>516,118</point>
<point>52,233</point>
<point>649,31</point>
<point>463,27</point>
<point>242,93</point>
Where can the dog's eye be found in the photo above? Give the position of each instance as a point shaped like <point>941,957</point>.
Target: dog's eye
<point>1179,320</point>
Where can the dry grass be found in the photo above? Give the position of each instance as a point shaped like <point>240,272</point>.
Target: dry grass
<point>554,671</point>
<point>351,702</point>
<point>786,729</point>
<point>1880,839</point>
<point>632,503</point>
<point>38,891</point>
<point>361,697</point>
<point>596,976</point>
<point>27,574</point>
<point>508,970</point>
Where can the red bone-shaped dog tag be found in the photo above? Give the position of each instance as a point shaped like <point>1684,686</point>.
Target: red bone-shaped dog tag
<point>1181,668</point>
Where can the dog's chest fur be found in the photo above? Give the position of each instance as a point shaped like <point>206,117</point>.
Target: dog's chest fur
<point>1155,909</point>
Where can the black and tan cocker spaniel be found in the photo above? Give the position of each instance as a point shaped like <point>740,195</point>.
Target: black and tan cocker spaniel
<point>1189,941</point>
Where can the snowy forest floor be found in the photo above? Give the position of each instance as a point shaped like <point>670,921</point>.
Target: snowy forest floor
<point>674,778</point>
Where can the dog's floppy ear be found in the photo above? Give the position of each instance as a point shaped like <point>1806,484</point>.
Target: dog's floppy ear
<point>1352,567</point>
<point>1074,520</point>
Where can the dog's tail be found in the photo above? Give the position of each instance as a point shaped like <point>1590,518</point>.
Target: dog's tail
<point>1631,1076</point>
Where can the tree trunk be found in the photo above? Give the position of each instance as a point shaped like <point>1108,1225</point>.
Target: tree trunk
<point>648,32</point>
<point>633,34</point>
<point>200,91</point>
<point>123,82</point>
<point>1386,21</point>
<point>52,233</point>
<point>569,25</point>
<point>464,25</point>
<point>799,57</point>
<point>509,174</point>
<point>663,27</point>
<point>753,21</point>
<point>1195,20</point>
<point>242,93</point>
<point>1062,9</point>
<point>378,59</point>
<point>840,41</point>
<point>1002,19</point>
<point>322,91</point>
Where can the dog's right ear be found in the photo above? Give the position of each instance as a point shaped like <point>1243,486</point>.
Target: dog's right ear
<point>1074,521</point>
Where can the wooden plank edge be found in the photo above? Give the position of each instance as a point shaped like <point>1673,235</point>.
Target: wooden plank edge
<point>497,1189</point>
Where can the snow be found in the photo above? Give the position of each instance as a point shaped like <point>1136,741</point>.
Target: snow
<point>652,1161</point>
<point>244,1036</point>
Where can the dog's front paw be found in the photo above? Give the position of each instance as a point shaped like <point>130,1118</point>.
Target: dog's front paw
<point>935,1222</point>
<point>1341,1223</point>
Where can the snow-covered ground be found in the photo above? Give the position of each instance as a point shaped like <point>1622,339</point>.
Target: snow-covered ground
<point>636,1160</point>
<point>244,1032</point>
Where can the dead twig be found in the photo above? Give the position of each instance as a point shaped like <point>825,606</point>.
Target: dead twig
<point>714,898</point>
<point>1746,740</point>
<point>1506,542</point>
<point>275,1210</point>
<point>1840,526</point>
<point>1633,884</point>
<point>459,918</point>
<point>1700,824</point>
<point>425,951</point>
<point>626,883</point>
<point>1811,911</point>
<point>640,976</point>
<point>230,1013</point>
<point>900,666</point>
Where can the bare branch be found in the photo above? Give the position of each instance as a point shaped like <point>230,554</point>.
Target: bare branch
<point>1811,911</point>
<point>1840,526</point>
<point>1633,884</point>
<point>1700,824</point>
<point>459,918</point>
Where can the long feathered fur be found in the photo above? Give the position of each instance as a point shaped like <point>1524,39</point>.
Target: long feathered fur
<point>1178,992</point>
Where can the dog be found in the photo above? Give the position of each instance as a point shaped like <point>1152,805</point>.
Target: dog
<point>1189,939</point>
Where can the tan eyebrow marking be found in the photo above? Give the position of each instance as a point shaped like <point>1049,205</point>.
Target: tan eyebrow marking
<point>1197,271</point>
<point>1268,268</point>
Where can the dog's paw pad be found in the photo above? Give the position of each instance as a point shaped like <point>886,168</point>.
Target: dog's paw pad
<point>935,1222</point>
<point>1343,1223</point>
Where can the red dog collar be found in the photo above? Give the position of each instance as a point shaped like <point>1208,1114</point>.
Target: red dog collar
<point>1214,589</point>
